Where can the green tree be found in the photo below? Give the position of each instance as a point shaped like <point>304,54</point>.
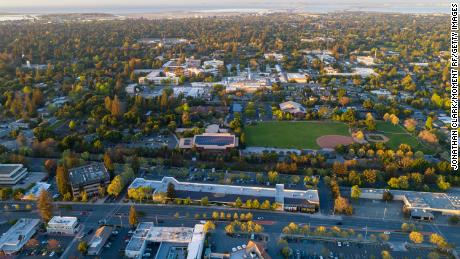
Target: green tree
<point>355,192</point>
<point>83,247</point>
<point>171,191</point>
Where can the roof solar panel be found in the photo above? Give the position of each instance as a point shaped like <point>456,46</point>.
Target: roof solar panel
<point>214,140</point>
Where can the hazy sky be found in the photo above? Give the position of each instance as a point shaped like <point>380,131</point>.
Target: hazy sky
<point>146,6</point>
<point>88,3</point>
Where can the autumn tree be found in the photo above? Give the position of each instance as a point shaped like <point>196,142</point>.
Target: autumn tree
<point>416,237</point>
<point>45,206</point>
<point>132,216</point>
<point>355,192</point>
<point>62,180</point>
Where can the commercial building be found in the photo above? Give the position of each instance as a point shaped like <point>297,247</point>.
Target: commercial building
<point>171,240</point>
<point>253,250</point>
<point>210,141</point>
<point>63,225</point>
<point>99,239</point>
<point>32,193</point>
<point>88,178</point>
<point>18,235</point>
<point>418,202</point>
<point>11,174</point>
<point>290,200</point>
<point>297,77</point>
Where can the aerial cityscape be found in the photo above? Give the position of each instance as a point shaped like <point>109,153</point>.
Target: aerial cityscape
<point>229,129</point>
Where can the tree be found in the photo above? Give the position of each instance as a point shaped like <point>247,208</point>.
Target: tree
<point>83,247</point>
<point>273,177</point>
<point>229,229</point>
<point>238,202</point>
<point>454,219</point>
<point>355,192</point>
<point>171,191</point>
<point>386,255</point>
<point>204,201</point>
<point>53,244</point>
<point>410,124</point>
<point>416,237</point>
<point>72,125</point>
<point>428,137</point>
<point>115,187</point>
<point>45,206</point>
<point>341,205</point>
<point>51,166</point>
<point>429,123</point>
<point>132,216</point>
<point>387,196</point>
<point>108,162</point>
<point>209,226</point>
<point>62,180</point>
<point>438,240</point>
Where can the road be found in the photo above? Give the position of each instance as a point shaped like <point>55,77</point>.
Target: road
<point>273,221</point>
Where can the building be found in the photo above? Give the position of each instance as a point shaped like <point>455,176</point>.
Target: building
<point>253,250</point>
<point>290,200</point>
<point>11,174</point>
<point>297,77</point>
<point>210,141</point>
<point>88,178</point>
<point>293,108</point>
<point>417,202</point>
<point>365,60</point>
<point>18,235</point>
<point>158,77</point>
<point>275,56</point>
<point>32,193</point>
<point>63,225</point>
<point>188,242</point>
<point>99,239</point>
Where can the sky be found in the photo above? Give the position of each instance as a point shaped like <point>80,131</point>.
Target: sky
<point>149,5</point>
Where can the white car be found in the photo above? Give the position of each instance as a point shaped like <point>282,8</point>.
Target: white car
<point>387,232</point>
<point>339,243</point>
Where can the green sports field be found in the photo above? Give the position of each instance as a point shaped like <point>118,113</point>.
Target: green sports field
<point>398,135</point>
<point>288,134</point>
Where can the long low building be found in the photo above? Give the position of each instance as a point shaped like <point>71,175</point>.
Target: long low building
<point>444,203</point>
<point>99,239</point>
<point>292,200</point>
<point>191,239</point>
<point>18,235</point>
<point>210,141</point>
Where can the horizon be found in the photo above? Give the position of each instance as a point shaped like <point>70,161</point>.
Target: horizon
<point>143,6</point>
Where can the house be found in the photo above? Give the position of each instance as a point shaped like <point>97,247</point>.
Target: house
<point>293,108</point>
<point>275,56</point>
<point>88,178</point>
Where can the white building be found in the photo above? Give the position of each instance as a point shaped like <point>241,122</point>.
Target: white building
<point>275,56</point>
<point>215,64</point>
<point>18,235</point>
<point>366,60</point>
<point>292,107</point>
<point>33,193</point>
<point>11,174</point>
<point>146,232</point>
<point>297,77</point>
<point>159,77</point>
<point>63,225</point>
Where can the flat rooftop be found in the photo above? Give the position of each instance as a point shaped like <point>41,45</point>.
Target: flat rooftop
<point>423,200</point>
<point>63,220</point>
<point>255,192</point>
<point>9,168</point>
<point>90,173</point>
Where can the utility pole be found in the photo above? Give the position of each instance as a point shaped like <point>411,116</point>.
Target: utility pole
<point>121,222</point>
<point>365,236</point>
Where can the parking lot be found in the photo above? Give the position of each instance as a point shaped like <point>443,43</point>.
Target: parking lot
<point>377,209</point>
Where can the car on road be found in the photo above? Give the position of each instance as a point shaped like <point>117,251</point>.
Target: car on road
<point>339,243</point>
<point>147,255</point>
<point>52,254</point>
<point>260,218</point>
<point>387,232</point>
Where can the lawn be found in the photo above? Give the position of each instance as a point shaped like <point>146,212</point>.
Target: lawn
<point>398,135</point>
<point>287,134</point>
